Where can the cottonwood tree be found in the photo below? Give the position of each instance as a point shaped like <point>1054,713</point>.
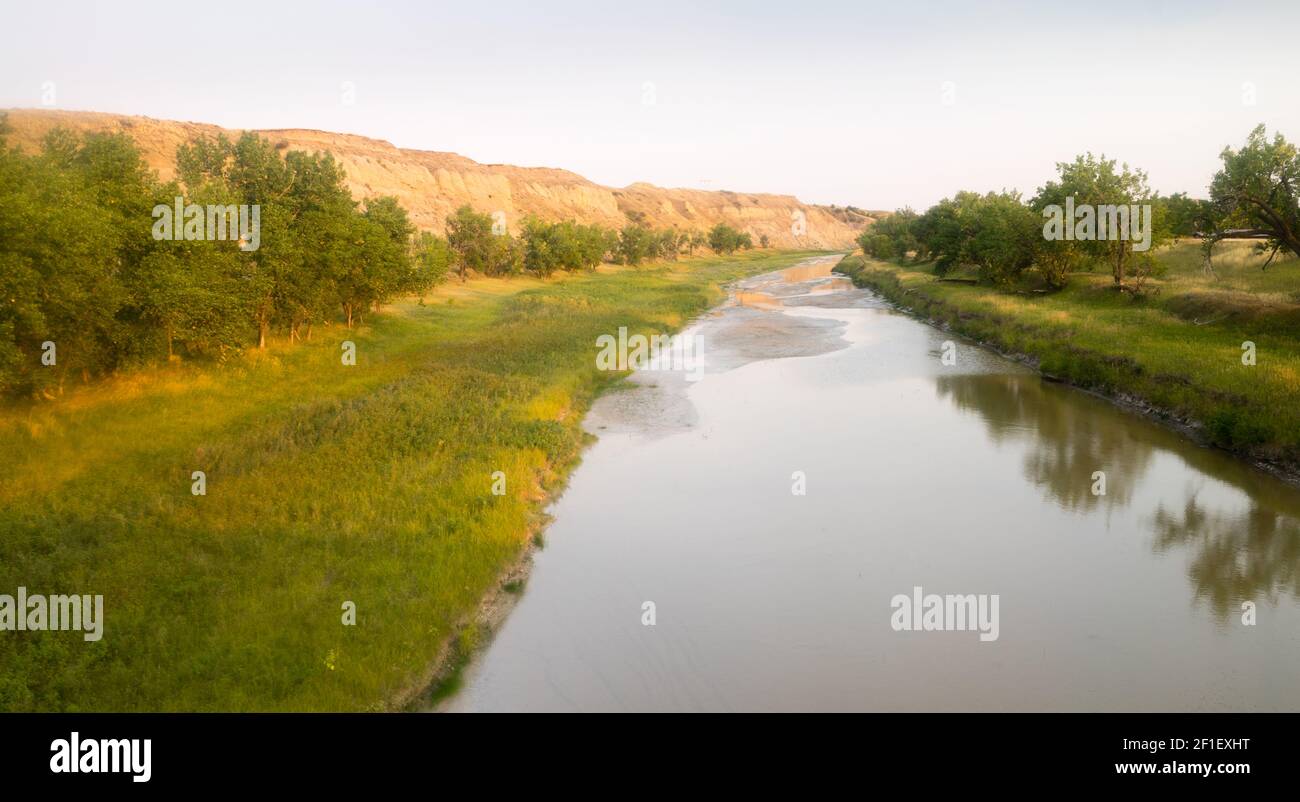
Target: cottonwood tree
<point>250,171</point>
<point>996,232</point>
<point>945,231</point>
<point>432,257</point>
<point>893,236</point>
<point>1186,216</point>
<point>1098,181</point>
<point>80,267</point>
<point>634,243</point>
<point>725,239</point>
<point>469,234</point>
<point>65,247</point>
<point>1254,196</point>
<point>1006,237</point>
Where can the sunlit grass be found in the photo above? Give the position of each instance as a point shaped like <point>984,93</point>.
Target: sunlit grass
<point>326,484</point>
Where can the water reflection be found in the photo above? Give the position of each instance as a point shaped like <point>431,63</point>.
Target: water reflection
<point>1247,556</point>
<point>1065,443</point>
<point>1250,554</point>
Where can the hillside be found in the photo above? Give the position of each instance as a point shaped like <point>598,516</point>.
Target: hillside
<point>432,184</point>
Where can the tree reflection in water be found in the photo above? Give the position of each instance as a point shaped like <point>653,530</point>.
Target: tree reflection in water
<point>1236,556</point>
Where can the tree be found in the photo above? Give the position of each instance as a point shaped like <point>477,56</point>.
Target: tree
<point>194,295</point>
<point>725,239</point>
<point>1254,196</point>
<point>469,234</point>
<point>505,256</point>
<point>65,244</point>
<point>946,230</point>
<point>634,244</point>
<point>996,233</point>
<point>432,257</point>
<point>1184,216</point>
<point>876,245</point>
<point>543,251</point>
<point>90,284</point>
<point>665,244</point>
<point>1095,182</point>
<point>565,244</point>
<point>898,229</point>
<point>378,261</point>
<point>594,244</point>
<point>1005,237</point>
<point>250,171</point>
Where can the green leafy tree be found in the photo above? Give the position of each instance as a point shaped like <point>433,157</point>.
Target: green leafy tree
<point>432,257</point>
<point>1005,237</point>
<point>725,239</point>
<point>65,246</point>
<point>505,256</point>
<point>469,234</point>
<point>996,233</point>
<point>899,229</point>
<point>594,244</point>
<point>1254,196</point>
<point>1097,182</point>
<point>635,243</point>
<point>542,255</point>
<point>879,246</point>
<point>1185,216</point>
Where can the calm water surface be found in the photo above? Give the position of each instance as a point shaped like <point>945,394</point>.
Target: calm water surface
<point>969,478</point>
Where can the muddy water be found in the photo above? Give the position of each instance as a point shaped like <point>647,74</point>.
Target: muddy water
<point>970,478</point>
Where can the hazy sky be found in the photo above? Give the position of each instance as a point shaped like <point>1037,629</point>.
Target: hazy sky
<point>833,102</point>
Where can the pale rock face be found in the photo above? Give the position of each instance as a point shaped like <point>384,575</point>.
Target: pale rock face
<point>432,185</point>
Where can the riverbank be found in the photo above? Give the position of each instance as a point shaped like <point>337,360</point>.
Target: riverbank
<point>330,489</point>
<point>1177,354</point>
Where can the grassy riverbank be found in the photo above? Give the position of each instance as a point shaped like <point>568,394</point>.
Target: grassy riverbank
<point>1178,349</point>
<point>326,484</point>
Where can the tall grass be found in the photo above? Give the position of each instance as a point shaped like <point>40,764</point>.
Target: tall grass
<point>326,483</point>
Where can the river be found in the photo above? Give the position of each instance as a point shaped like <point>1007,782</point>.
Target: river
<point>971,478</point>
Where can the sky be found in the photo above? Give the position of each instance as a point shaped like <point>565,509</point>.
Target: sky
<point>875,105</point>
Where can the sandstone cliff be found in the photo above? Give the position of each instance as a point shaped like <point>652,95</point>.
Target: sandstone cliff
<point>431,185</point>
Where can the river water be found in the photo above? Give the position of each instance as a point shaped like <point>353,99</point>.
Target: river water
<point>975,477</point>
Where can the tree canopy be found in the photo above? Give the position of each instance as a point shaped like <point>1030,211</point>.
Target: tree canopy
<point>1254,196</point>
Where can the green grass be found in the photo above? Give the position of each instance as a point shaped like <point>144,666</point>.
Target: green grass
<point>325,484</point>
<point>1179,348</point>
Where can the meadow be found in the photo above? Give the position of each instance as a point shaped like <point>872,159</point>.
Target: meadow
<point>326,483</point>
<point>1178,349</point>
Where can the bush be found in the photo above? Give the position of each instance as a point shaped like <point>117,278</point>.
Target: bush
<point>725,239</point>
